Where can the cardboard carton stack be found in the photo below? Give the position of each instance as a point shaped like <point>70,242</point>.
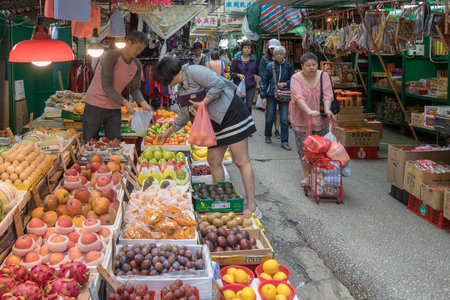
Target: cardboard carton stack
<point>422,172</point>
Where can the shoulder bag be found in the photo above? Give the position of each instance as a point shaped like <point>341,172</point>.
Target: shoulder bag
<point>335,107</point>
<point>281,95</point>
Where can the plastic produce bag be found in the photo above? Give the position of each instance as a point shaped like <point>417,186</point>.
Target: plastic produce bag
<point>317,144</point>
<point>241,89</point>
<point>259,102</point>
<point>202,133</point>
<point>346,170</point>
<point>330,136</point>
<point>337,152</point>
<point>141,121</point>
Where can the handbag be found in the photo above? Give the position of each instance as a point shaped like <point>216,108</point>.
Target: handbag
<point>281,95</point>
<point>335,107</point>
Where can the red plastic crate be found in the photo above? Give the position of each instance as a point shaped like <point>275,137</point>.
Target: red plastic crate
<point>362,152</point>
<point>435,217</point>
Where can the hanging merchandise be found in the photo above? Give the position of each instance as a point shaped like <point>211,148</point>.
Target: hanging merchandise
<point>85,29</point>
<point>168,20</point>
<point>117,24</point>
<point>70,10</point>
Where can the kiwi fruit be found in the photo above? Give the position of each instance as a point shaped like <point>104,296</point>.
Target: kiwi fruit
<point>217,215</point>
<point>217,222</point>
<point>211,226</point>
<point>201,218</point>
<point>210,218</point>
<point>231,215</point>
<point>225,219</point>
<point>204,224</point>
<point>231,224</point>
<point>239,220</point>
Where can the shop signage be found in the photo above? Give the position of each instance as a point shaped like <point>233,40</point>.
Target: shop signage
<point>207,21</point>
<point>237,5</point>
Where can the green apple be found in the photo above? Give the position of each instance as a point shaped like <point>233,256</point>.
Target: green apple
<point>148,155</point>
<point>152,161</point>
<point>162,161</point>
<point>168,155</point>
<point>142,159</point>
<point>158,148</point>
<point>167,126</point>
<point>157,155</point>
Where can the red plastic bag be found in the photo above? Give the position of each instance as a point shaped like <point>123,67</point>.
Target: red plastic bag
<point>338,152</point>
<point>317,144</point>
<point>202,133</point>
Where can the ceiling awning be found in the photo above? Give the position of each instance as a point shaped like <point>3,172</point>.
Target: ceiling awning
<point>300,3</point>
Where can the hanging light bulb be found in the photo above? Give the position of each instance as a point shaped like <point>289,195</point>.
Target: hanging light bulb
<point>41,50</point>
<point>120,43</point>
<point>95,49</point>
<point>41,63</point>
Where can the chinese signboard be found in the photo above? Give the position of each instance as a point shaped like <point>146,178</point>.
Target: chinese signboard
<point>237,5</point>
<point>207,21</point>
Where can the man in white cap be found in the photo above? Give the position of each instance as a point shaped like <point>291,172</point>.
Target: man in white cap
<point>267,58</point>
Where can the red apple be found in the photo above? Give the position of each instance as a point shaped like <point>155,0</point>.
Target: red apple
<point>96,158</point>
<point>71,172</point>
<point>82,194</point>
<point>77,167</point>
<point>103,181</point>
<point>94,166</point>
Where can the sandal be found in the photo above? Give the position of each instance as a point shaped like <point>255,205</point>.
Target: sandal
<point>304,182</point>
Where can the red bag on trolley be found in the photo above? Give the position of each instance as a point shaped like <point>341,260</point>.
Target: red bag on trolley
<point>202,133</point>
<point>317,144</point>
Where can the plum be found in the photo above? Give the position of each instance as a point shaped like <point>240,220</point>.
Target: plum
<point>222,242</point>
<point>188,254</point>
<point>218,249</point>
<point>146,264</point>
<point>252,241</point>
<point>210,245</point>
<point>245,244</point>
<point>222,232</point>
<point>245,234</point>
<point>199,253</point>
<point>232,240</point>
<point>212,236</point>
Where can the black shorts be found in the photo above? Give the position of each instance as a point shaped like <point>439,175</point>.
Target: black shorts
<point>237,124</point>
<point>95,117</point>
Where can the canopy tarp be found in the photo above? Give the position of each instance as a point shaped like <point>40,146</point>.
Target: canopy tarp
<point>166,21</point>
<point>274,18</point>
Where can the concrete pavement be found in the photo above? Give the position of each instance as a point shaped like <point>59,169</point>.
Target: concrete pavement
<point>371,247</point>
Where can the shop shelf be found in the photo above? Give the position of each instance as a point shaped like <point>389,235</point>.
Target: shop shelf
<point>389,119</point>
<point>390,91</point>
<point>428,98</point>
<point>433,216</point>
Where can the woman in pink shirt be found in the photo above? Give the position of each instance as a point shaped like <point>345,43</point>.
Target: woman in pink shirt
<point>305,104</point>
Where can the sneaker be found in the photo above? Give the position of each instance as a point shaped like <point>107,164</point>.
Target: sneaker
<point>268,140</point>
<point>286,146</point>
<point>277,134</point>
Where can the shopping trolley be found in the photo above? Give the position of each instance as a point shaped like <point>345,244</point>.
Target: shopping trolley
<point>325,179</point>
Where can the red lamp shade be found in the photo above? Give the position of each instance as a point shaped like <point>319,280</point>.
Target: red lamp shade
<point>41,47</point>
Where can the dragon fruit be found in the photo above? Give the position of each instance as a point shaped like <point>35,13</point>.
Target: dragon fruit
<point>19,273</point>
<point>41,274</point>
<point>75,270</point>
<point>13,297</point>
<point>64,286</point>
<point>28,290</point>
<point>6,284</point>
<point>59,297</point>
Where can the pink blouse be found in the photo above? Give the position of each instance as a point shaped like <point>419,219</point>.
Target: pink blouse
<point>301,90</point>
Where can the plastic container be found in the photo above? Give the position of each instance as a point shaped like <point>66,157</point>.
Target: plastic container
<point>223,271</point>
<point>276,283</point>
<point>259,270</point>
<point>435,217</point>
<point>234,287</point>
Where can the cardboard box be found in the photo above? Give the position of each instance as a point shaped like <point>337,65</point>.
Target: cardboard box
<point>399,154</point>
<point>361,137</point>
<point>350,120</point>
<point>351,110</point>
<point>417,119</point>
<point>22,117</point>
<point>375,125</point>
<point>447,204</point>
<point>350,124</point>
<point>208,205</point>
<point>414,178</point>
<point>202,279</point>
<point>433,195</point>
<point>246,257</point>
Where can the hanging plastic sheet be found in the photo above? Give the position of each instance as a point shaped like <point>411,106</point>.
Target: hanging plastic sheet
<point>166,21</point>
